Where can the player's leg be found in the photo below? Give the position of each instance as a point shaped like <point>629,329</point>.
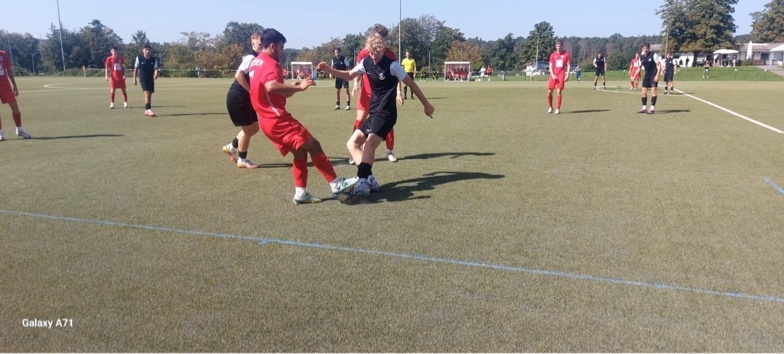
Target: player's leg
<point>348,95</point>
<point>644,96</point>
<point>112,89</point>
<point>17,116</point>
<point>596,79</point>
<point>355,143</point>
<point>243,142</point>
<point>604,79</point>
<point>550,87</point>
<point>390,142</point>
<point>125,98</point>
<point>559,90</point>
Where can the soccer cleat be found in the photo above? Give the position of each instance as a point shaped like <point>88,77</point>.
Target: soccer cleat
<point>391,156</point>
<point>1,137</point>
<point>351,161</point>
<point>557,111</point>
<point>362,188</point>
<point>149,113</point>
<point>550,110</point>
<point>245,163</point>
<point>337,107</point>
<point>126,105</point>
<point>642,111</point>
<point>23,134</point>
<point>342,185</point>
<point>650,111</point>
<point>231,151</point>
<point>307,198</point>
<point>111,105</point>
<point>348,108</point>
<point>373,184</point>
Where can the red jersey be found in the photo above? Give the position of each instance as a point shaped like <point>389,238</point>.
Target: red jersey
<point>116,66</point>
<point>364,53</point>
<point>634,66</point>
<point>558,62</point>
<point>262,70</point>
<point>5,66</point>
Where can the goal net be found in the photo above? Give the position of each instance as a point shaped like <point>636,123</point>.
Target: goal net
<point>457,70</point>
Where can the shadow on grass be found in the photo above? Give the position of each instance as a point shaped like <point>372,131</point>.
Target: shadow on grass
<point>585,111</point>
<point>405,190</point>
<point>76,136</point>
<point>452,155</point>
<point>666,111</point>
<point>191,114</point>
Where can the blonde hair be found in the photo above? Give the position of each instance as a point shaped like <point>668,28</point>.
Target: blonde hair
<point>256,35</point>
<point>375,44</point>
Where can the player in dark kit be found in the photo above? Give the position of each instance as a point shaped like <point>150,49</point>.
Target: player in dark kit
<point>600,63</point>
<point>241,109</point>
<point>670,69</point>
<point>339,62</point>
<point>652,66</point>
<point>146,68</point>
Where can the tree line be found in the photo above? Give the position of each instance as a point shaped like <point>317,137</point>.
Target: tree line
<point>688,26</point>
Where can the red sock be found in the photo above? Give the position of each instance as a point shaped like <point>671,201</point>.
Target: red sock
<point>550,101</point>
<point>322,164</point>
<point>1,124</point>
<point>111,97</point>
<point>125,97</point>
<point>17,119</point>
<point>559,102</point>
<point>356,125</point>
<point>300,172</point>
<point>391,140</point>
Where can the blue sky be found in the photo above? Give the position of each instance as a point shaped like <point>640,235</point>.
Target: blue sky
<point>308,23</point>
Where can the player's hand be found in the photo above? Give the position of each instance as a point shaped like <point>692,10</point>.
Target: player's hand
<point>355,90</point>
<point>400,100</point>
<point>429,110</point>
<point>134,81</point>
<point>566,78</point>
<point>105,78</point>
<point>155,76</point>
<point>306,83</point>
<point>321,66</point>
<point>16,92</point>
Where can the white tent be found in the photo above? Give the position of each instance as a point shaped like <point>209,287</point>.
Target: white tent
<point>749,51</point>
<point>778,49</point>
<point>726,51</point>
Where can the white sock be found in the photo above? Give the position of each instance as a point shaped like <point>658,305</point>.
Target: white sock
<point>643,107</point>
<point>299,191</point>
<point>19,129</point>
<point>652,107</point>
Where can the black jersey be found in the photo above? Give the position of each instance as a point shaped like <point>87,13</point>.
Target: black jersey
<point>600,62</point>
<point>147,67</point>
<point>340,63</point>
<point>383,85</point>
<point>669,66</point>
<point>649,62</point>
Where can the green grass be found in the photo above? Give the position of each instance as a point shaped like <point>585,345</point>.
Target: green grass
<point>501,228</point>
<point>740,73</point>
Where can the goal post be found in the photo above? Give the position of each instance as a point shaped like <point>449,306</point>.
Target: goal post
<point>301,70</point>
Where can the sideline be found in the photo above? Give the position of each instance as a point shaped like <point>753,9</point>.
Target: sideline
<point>264,241</point>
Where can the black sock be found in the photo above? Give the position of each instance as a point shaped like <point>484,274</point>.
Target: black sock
<point>337,103</point>
<point>653,101</point>
<point>235,143</point>
<point>644,101</point>
<point>348,103</point>
<point>243,154</point>
<point>364,170</point>
<point>147,106</point>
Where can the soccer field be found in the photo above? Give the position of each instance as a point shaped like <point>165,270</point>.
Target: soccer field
<point>501,229</point>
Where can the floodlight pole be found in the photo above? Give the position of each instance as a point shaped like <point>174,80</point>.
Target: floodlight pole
<point>62,51</point>
<point>400,30</point>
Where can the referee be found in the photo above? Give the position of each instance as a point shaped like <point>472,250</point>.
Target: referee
<point>339,62</point>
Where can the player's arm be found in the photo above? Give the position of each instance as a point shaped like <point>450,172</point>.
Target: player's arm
<point>568,65</point>
<point>658,71</point>
<point>242,70</point>
<point>155,70</point>
<point>12,78</point>
<point>135,70</point>
<point>343,74</point>
<point>403,77</point>
<point>594,63</point>
<point>273,86</point>
<point>106,70</point>
<point>551,66</point>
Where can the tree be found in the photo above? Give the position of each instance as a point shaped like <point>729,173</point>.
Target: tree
<point>538,46</point>
<point>676,24</point>
<point>98,39</point>
<point>711,25</point>
<point>77,53</point>
<point>444,39</point>
<point>502,54</point>
<point>768,25</point>
<point>140,38</point>
<point>352,45</point>
<point>238,33</point>
<point>616,61</point>
<point>465,51</point>
<point>23,50</point>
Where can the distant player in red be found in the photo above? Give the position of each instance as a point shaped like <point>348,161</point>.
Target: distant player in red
<point>116,65</point>
<point>8,93</point>
<point>560,61</point>
<point>268,94</point>
<point>634,71</point>
<point>363,103</point>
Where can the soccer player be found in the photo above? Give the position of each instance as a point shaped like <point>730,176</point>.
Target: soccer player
<point>362,86</point>
<point>560,62</point>
<point>241,110</point>
<point>600,63</point>
<point>706,70</point>
<point>268,94</point>
<point>8,94</point>
<point>652,65</point>
<point>339,62</point>
<point>116,64</point>
<point>409,65</point>
<point>634,71</point>
<point>670,69</point>
<point>383,75</point>
<point>146,68</point>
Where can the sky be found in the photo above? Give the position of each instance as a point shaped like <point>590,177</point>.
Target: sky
<point>309,23</point>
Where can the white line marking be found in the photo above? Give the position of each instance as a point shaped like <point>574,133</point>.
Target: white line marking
<point>733,113</point>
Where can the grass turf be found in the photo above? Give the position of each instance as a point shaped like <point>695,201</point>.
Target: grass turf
<point>502,228</point>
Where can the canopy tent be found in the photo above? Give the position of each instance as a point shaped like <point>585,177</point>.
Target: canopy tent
<point>778,49</point>
<point>726,51</point>
<point>749,51</point>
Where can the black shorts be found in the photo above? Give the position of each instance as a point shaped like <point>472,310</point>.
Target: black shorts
<point>599,72</point>
<point>378,124</point>
<point>411,75</point>
<point>668,77</point>
<point>240,108</point>
<point>648,82</point>
<point>340,83</point>
<point>147,85</point>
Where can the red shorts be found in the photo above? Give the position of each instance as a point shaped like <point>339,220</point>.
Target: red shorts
<point>558,82</point>
<point>117,84</point>
<point>286,133</point>
<point>635,75</point>
<point>7,94</point>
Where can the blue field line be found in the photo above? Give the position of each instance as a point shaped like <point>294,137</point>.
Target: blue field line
<point>266,240</point>
<point>781,190</point>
